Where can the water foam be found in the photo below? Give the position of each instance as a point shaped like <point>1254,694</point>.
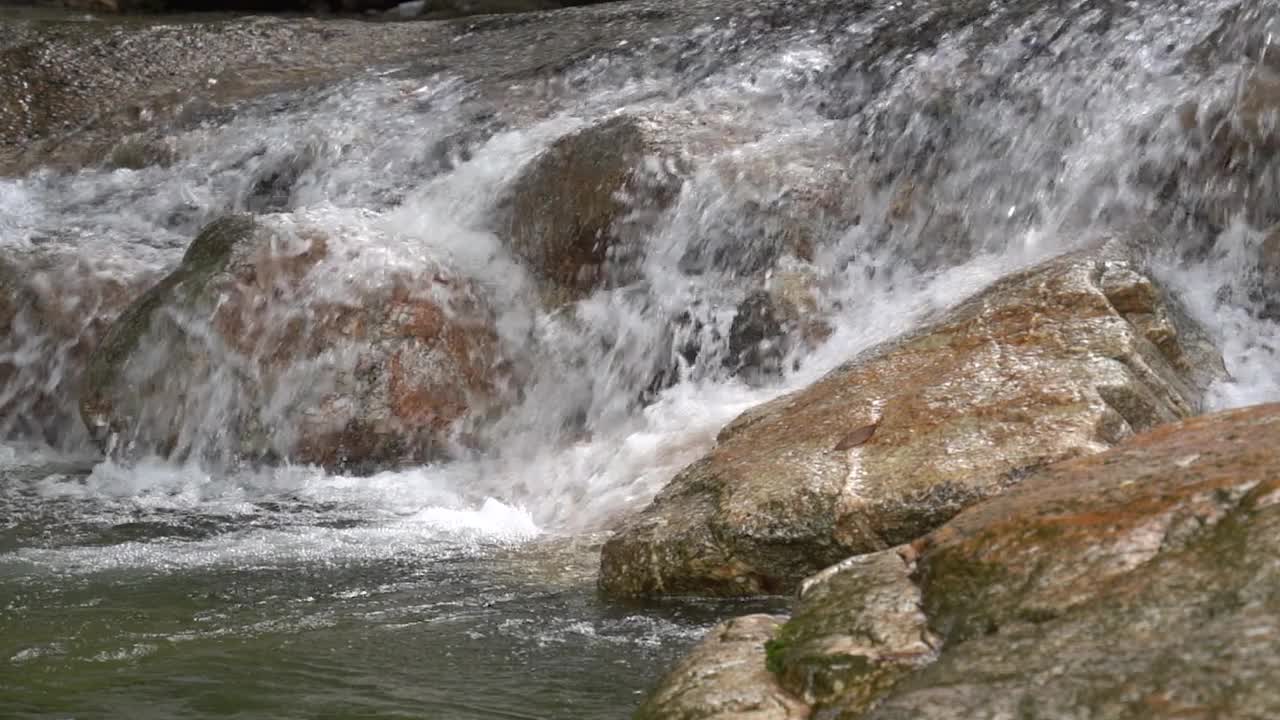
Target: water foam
<point>1029,152</point>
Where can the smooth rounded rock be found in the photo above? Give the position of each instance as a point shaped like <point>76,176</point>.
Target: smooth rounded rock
<point>1064,359</point>
<point>250,336</point>
<point>579,210</point>
<point>724,678</point>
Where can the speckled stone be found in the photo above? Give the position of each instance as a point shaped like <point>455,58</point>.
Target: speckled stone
<point>1141,582</point>
<point>1064,359</point>
<point>248,331</point>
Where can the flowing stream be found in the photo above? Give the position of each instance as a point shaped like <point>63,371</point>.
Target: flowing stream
<point>465,589</point>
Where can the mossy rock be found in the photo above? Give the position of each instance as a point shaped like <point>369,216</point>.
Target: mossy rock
<point>102,395</point>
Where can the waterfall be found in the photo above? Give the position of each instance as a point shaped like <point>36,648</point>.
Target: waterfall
<point>921,152</point>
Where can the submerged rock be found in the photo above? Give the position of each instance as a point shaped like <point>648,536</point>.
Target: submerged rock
<point>1269,265</point>
<point>1064,359</point>
<point>1232,172</point>
<point>578,211</point>
<point>774,322</point>
<point>1139,582</point>
<point>759,336</point>
<point>724,678</point>
<point>251,335</point>
<point>54,308</point>
<point>580,214</point>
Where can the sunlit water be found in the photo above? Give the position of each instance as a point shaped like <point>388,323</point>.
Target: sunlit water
<point>152,589</point>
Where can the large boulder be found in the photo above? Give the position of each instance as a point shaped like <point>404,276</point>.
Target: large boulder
<point>257,346</point>
<point>1064,359</point>
<point>54,308</point>
<point>858,627</point>
<point>1138,583</point>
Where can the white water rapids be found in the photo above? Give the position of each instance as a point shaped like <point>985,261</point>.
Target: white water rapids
<point>1036,152</point>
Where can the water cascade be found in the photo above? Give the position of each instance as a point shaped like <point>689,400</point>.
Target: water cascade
<point>804,180</point>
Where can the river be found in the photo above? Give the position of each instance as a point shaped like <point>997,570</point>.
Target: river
<point>148,588</point>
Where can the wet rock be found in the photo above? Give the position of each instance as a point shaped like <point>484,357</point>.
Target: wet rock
<point>858,627</point>
<point>577,216</point>
<point>773,323</point>
<point>1139,582</point>
<point>253,6</point>
<point>758,341</point>
<point>76,93</point>
<point>724,677</point>
<point>462,8</point>
<point>140,151</point>
<point>392,8</point>
<point>1269,261</point>
<point>1232,172</point>
<point>1041,366</point>
<point>275,181</point>
<point>577,213</point>
<point>1245,31</point>
<point>748,211</point>
<point>933,233</point>
<point>54,308</point>
<point>248,350</point>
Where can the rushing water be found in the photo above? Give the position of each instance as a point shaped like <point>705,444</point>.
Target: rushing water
<point>465,589</point>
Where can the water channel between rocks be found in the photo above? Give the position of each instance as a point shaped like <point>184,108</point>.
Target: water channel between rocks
<point>202,588</point>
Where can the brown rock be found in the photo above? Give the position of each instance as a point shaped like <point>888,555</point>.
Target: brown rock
<point>774,322</point>
<point>756,210</point>
<point>1235,138</point>
<point>724,678</point>
<point>578,214</point>
<point>282,367</point>
<point>54,308</point>
<point>1039,367</point>
<point>1269,261</point>
<point>583,204</point>
<point>1141,582</point>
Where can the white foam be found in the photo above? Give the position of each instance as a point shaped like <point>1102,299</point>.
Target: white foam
<point>578,450</point>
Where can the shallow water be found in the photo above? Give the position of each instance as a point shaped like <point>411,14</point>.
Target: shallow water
<point>466,589</point>
<point>287,605</point>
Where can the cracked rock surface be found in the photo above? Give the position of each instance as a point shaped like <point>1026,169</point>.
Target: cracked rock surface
<point>1142,582</point>
<point>1065,359</point>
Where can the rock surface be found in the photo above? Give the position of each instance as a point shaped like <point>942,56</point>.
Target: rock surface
<point>724,678</point>
<point>1065,359</point>
<point>54,308</point>
<point>772,323</point>
<point>582,205</point>
<point>857,628</point>
<point>1232,172</point>
<point>1142,582</point>
<point>1269,269</point>
<point>578,213</point>
<point>71,90</point>
<point>248,333</point>
<point>435,9</point>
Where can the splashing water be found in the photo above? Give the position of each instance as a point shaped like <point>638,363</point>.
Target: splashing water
<point>1020,128</point>
<point>923,151</point>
